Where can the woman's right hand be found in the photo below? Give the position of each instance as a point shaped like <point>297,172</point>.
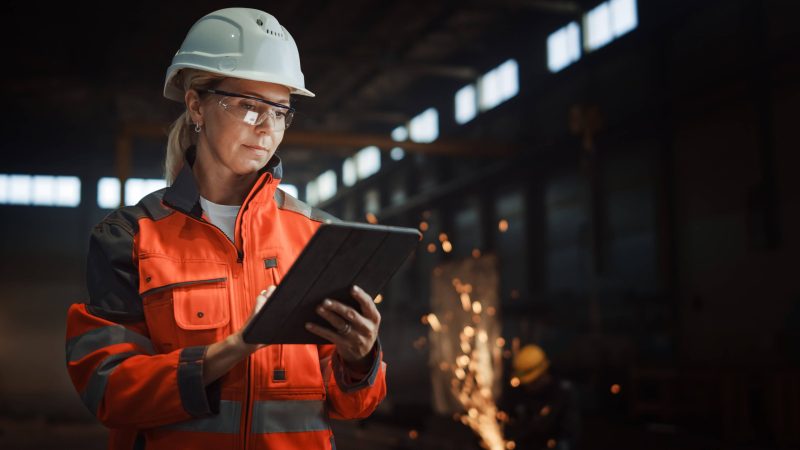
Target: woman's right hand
<point>223,355</point>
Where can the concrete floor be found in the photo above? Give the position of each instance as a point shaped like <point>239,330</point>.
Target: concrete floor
<point>380,433</point>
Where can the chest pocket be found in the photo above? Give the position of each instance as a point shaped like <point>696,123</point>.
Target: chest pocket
<point>185,302</point>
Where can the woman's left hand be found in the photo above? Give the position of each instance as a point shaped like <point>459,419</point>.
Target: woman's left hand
<point>357,331</point>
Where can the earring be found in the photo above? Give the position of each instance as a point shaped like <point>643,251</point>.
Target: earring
<point>197,127</point>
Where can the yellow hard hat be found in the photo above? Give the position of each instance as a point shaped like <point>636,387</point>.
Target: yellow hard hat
<point>530,363</point>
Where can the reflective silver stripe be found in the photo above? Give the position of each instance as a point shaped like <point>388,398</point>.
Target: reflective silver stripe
<point>96,388</point>
<point>227,421</point>
<point>91,341</point>
<point>289,416</point>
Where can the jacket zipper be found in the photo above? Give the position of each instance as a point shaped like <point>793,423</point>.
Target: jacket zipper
<point>240,260</point>
<point>249,363</point>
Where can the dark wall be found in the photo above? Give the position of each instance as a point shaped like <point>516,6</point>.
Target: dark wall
<point>668,244</point>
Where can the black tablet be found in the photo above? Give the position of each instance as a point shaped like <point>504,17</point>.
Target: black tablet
<point>338,256</point>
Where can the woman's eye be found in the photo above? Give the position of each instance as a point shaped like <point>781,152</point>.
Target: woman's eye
<point>280,115</point>
<point>247,105</point>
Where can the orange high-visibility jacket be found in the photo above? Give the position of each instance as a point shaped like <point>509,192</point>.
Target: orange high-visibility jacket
<point>164,283</point>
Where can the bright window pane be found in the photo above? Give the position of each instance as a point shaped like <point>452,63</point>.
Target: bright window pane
<point>508,76</point>
<point>108,192</point>
<point>368,161</point>
<point>136,188</point>
<point>598,27</point>
<point>19,189</point>
<point>312,195</point>
<point>466,104</point>
<point>44,190</point>
<point>489,89</point>
<point>326,185</point>
<point>397,154</point>
<point>623,16</point>
<point>400,133</point>
<point>425,126</point>
<point>349,175</point>
<point>563,47</point>
<point>68,191</point>
<point>498,85</point>
<point>289,189</point>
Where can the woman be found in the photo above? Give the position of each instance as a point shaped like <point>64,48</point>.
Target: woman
<point>157,354</point>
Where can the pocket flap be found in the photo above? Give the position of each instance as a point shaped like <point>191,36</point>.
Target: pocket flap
<point>198,289</point>
<point>157,273</point>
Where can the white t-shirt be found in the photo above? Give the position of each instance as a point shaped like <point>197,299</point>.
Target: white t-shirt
<point>223,216</point>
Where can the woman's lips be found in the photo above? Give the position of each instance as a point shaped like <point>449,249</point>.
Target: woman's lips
<point>255,147</point>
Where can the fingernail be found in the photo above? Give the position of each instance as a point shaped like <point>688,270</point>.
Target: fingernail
<point>357,289</point>
<point>320,310</point>
<point>327,303</point>
<point>308,326</point>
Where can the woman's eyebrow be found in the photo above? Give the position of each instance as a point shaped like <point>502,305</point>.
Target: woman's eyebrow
<point>281,100</point>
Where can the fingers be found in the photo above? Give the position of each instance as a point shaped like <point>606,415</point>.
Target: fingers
<point>368,308</point>
<point>333,318</point>
<point>325,333</point>
<point>336,313</point>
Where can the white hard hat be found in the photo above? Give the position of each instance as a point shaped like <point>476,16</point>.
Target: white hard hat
<point>241,43</point>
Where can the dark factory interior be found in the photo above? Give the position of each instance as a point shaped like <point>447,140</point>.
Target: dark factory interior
<point>603,187</point>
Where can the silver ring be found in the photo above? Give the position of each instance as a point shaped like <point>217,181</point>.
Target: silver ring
<point>346,330</point>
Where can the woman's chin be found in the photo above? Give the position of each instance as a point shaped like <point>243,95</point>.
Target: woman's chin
<point>250,165</point>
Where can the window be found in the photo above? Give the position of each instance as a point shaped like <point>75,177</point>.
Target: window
<point>398,134</point>
<point>397,154</point>
<point>312,195</point>
<point>108,192</point>
<point>608,21</point>
<point>563,47</point>
<point>425,126</point>
<point>363,164</point>
<point>326,185</point>
<point>135,189</point>
<point>40,190</point>
<point>466,104</point>
<point>289,189</point>
<point>349,175</point>
<point>498,85</point>
<point>368,161</point>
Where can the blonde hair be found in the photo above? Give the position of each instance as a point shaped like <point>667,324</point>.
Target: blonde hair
<point>181,132</point>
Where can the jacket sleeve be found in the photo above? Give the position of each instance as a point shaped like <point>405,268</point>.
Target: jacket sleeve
<point>113,365</point>
<point>352,397</point>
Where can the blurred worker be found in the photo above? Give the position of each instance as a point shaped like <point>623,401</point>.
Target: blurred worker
<point>542,410</point>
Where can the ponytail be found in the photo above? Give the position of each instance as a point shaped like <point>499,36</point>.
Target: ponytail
<point>181,132</point>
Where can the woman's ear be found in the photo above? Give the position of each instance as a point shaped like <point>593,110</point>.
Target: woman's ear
<point>192,100</point>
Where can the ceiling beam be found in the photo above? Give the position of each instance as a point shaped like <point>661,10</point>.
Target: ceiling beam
<point>566,7</point>
<point>449,147</point>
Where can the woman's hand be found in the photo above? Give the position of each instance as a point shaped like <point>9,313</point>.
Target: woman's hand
<point>223,355</point>
<point>357,330</point>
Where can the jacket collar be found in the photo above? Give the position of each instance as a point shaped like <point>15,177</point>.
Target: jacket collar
<point>184,195</point>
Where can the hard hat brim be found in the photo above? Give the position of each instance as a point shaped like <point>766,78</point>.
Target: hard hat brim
<point>175,93</point>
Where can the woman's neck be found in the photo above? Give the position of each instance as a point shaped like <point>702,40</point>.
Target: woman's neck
<point>219,185</point>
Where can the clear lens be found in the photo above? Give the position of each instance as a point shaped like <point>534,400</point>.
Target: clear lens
<point>255,113</point>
